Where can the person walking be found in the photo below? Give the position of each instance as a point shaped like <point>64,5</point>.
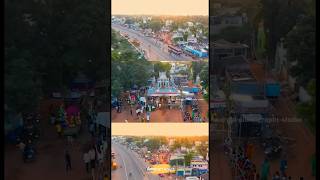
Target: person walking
<point>21,146</point>
<point>250,150</point>
<point>86,159</point>
<point>91,129</point>
<point>265,168</point>
<point>59,129</point>
<point>92,156</point>
<point>276,176</point>
<point>99,159</point>
<point>52,118</point>
<point>148,116</point>
<point>283,165</point>
<point>67,161</point>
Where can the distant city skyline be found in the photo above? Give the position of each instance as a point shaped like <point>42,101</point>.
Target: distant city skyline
<point>163,7</point>
<point>160,129</point>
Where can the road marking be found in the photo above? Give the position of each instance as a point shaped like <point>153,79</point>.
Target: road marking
<point>135,162</point>
<point>125,169</point>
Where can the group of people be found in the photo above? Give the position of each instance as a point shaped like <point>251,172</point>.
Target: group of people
<point>94,156</point>
<point>244,168</point>
<point>195,115</point>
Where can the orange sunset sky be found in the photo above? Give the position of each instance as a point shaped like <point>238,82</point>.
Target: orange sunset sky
<point>159,7</point>
<point>160,129</point>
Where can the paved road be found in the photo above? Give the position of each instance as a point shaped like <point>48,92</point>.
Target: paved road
<point>155,50</point>
<point>128,161</point>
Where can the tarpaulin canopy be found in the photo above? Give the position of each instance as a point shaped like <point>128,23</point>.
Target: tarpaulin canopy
<point>103,118</point>
<point>73,110</point>
<point>143,99</point>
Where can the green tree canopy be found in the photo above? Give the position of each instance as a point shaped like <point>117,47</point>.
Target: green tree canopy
<point>300,44</point>
<point>128,68</point>
<point>161,67</point>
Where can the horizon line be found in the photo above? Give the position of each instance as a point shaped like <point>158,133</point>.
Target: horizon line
<point>158,15</point>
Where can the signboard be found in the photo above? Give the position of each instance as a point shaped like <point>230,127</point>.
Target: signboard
<point>161,169</point>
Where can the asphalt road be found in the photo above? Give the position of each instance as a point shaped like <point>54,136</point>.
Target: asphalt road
<point>129,162</point>
<point>155,50</point>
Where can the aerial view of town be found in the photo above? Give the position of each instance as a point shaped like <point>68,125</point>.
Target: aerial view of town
<point>262,89</point>
<point>154,156</point>
<point>159,66</point>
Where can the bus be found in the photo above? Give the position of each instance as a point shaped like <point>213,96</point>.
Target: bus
<point>174,50</point>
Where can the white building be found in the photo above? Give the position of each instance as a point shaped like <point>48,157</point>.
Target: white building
<point>197,143</point>
<point>190,24</point>
<point>199,164</point>
<point>169,22</point>
<point>177,35</point>
<point>171,142</point>
<point>192,39</point>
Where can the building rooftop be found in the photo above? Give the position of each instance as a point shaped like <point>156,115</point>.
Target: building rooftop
<point>221,43</point>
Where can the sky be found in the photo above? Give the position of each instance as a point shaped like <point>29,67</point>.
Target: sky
<point>160,129</point>
<point>159,7</point>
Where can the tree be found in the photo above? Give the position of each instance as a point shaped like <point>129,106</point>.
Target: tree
<point>300,44</point>
<point>177,145</point>
<point>202,150</point>
<point>204,76</point>
<point>60,44</point>
<point>161,67</point>
<point>156,25</point>
<point>188,157</point>
<point>236,34</point>
<point>185,36</point>
<point>129,21</point>
<point>153,144</point>
<point>197,67</point>
<point>186,142</point>
<point>127,69</point>
<point>22,87</point>
<point>307,111</point>
<point>279,17</point>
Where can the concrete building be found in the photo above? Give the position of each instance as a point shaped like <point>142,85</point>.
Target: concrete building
<point>222,49</point>
<point>199,164</point>
<point>220,22</point>
<point>168,22</point>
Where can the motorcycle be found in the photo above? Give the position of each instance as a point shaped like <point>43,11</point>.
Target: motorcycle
<point>272,148</point>
<point>29,154</point>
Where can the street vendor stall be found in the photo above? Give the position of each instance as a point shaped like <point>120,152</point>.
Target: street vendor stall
<point>70,119</point>
<point>103,122</point>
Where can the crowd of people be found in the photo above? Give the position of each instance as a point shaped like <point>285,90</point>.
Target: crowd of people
<point>94,159</point>
<point>243,168</point>
<point>195,115</point>
<point>95,152</point>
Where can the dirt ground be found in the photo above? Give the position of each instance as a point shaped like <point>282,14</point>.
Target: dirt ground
<point>299,154</point>
<point>49,163</point>
<point>159,115</point>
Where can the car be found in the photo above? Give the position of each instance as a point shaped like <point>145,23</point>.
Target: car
<point>161,175</point>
